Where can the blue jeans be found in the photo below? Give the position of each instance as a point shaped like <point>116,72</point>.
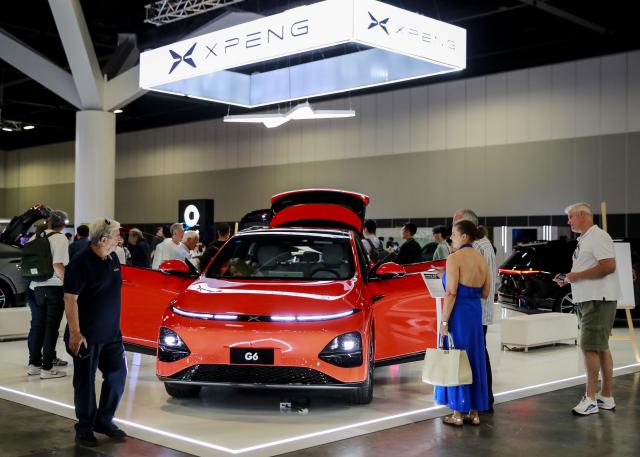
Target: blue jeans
<point>110,360</point>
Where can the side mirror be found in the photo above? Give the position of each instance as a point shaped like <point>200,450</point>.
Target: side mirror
<point>389,270</point>
<point>175,268</point>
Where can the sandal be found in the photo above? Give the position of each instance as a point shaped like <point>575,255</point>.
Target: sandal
<point>453,420</point>
<point>469,419</point>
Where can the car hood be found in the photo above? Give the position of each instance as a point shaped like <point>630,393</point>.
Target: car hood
<point>269,297</point>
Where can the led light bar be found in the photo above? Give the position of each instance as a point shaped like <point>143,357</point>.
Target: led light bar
<point>389,45</point>
<point>191,314</point>
<point>255,318</point>
<point>298,112</point>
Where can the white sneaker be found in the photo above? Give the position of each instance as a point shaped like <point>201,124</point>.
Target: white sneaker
<point>586,406</point>
<point>52,373</point>
<point>33,370</point>
<point>605,402</point>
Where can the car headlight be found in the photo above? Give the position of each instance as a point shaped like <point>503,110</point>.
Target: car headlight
<point>344,350</point>
<point>170,346</point>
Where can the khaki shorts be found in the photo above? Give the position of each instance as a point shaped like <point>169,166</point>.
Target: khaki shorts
<point>596,321</point>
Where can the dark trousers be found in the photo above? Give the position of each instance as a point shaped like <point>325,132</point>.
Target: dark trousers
<point>489,375</point>
<point>111,361</point>
<point>45,322</point>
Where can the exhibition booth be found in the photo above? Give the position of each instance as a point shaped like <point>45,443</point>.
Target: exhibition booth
<point>262,422</point>
<point>304,278</point>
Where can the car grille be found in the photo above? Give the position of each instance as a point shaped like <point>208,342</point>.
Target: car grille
<point>254,374</point>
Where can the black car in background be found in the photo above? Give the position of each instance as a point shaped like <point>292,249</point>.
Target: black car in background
<point>257,218</point>
<point>526,278</point>
<point>12,285</point>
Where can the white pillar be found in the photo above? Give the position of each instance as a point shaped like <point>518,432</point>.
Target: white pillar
<point>95,166</point>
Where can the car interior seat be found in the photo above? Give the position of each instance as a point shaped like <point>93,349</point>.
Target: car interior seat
<point>333,265</point>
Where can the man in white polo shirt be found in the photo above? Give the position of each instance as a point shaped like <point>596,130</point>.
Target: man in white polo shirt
<point>595,290</point>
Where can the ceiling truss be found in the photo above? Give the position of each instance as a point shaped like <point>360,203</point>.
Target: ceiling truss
<point>167,11</point>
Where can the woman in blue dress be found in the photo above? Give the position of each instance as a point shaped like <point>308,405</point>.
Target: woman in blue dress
<point>467,279</point>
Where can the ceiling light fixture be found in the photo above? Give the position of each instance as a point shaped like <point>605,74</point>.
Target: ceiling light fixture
<point>117,111</point>
<point>14,126</point>
<point>303,111</point>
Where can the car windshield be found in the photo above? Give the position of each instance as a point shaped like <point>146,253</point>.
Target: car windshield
<point>285,256</point>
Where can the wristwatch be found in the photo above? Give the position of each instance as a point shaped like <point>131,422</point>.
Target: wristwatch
<point>444,323</point>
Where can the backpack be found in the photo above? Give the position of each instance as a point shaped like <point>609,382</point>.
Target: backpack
<point>37,262</point>
<point>377,253</point>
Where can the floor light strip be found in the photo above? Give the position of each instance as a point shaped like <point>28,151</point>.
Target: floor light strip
<point>309,435</point>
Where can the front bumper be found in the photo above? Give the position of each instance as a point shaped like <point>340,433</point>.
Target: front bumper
<point>257,376</point>
<point>296,347</point>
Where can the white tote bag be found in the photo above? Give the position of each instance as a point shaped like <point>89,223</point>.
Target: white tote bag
<point>446,367</point>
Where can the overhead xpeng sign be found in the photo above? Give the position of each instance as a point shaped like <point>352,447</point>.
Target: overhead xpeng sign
<point>393,45</point>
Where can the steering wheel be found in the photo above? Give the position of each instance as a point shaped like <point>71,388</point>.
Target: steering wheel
<point>329,270</point>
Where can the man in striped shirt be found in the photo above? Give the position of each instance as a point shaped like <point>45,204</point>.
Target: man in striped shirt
<point>484,247</point>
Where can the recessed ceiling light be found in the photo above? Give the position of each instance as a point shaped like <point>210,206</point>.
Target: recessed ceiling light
<point>117,111</point>
<point>28,127</point>
<point>7,129</point>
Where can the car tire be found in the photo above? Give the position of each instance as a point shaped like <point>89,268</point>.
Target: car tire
<point>182,390</point>
<point>6,296</point>
<point>363,395</point>
<point>564,304</point>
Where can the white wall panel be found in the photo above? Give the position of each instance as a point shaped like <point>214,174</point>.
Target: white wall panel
<point>401,100</point>
<point>633,92</point>
<point>244,145</point>
<point>563,110</point>
<point>255,145</point>
<point>588,97</point>
<point>539,103</point>
<point>497,109</point>
<point>384,126</point>
<point>614,94</point>
<point>456,99</point>
<point>518,106</point>
<point>307,152</point>
<point>475,122</point>
<point>436,119</point>
<point>368,124</point>
<point>418,120</point>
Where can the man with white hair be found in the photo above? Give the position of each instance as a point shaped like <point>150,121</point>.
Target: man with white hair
<point>166,250</point>
<point>189,242</point>
<point>92,299</point>
<point>484,247</point>
<point>595,291</point>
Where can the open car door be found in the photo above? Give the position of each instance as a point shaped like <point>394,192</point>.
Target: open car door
<point>405,315</point>
<point>146,294</point>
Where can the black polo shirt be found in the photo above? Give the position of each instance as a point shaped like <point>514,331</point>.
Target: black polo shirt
<point>98,284</point>
<point>410,252</point>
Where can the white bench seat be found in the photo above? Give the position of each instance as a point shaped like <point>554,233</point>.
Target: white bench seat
<point>538,329</point>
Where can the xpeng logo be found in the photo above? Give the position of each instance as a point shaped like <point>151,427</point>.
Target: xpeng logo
<point>186,58</point>
<point>382,24</point>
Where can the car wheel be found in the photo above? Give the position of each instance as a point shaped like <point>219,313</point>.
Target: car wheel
<point>182,390</point>
<point>564,304</point>
<point>363,395</point>
<point>6,296</point>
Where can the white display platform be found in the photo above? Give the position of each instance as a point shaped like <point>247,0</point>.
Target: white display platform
<point>225,422</point>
